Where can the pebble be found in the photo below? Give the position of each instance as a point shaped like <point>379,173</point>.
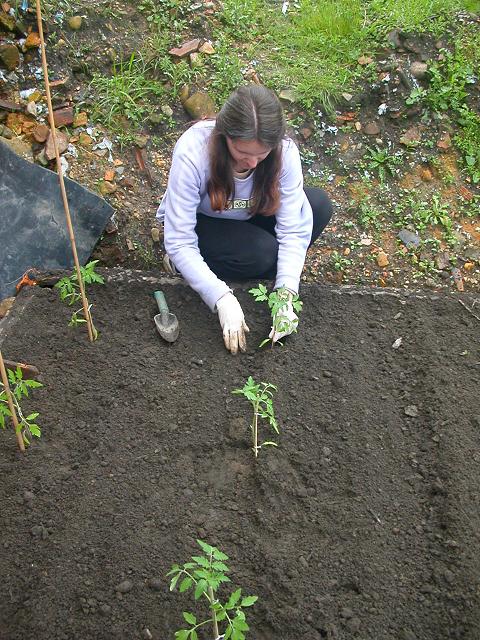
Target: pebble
<point>353,624</point>
<point>418,70</point>
<point>411,410</point>
<point>327,374</point>
<point>346,613</point>
<point>371,129</point>
<point>157,584</point>
<point>75,22</point>
<point>124,587</point>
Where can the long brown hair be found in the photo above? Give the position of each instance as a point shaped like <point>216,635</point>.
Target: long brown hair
<point>251,113</point>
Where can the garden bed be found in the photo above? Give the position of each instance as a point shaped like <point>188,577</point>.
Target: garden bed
<point>362,524</point>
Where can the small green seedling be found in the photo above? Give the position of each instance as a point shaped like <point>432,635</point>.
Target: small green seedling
<point>19,387</point>
<point>260,397</point>
<point>70,292</point>
<point>205,574</point>
<point>277,301</point>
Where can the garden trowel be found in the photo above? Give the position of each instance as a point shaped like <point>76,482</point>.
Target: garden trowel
<point>166,322</point>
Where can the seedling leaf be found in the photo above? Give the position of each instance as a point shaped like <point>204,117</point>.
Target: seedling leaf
<point>185,584</point>
<point>189,618</point>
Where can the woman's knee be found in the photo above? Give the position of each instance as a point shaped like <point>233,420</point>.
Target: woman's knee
<point>261,253</point>
<point>322,210</point>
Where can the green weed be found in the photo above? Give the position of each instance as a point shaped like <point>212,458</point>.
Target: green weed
<point>382,162</point>
<point>128,93</point>
<point>339,262</point>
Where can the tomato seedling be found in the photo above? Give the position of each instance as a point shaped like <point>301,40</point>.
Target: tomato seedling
<point>205,574</point>
<point>69,289</point>
<point>260,396</point>
<point>19,387</point>
<point>278,302</point>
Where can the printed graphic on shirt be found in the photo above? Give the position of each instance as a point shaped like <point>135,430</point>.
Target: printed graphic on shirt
<point>239,203</point>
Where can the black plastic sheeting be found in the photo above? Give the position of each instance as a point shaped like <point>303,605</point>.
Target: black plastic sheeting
<point>33,228</point>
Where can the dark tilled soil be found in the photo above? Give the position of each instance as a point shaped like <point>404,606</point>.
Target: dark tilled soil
<point>364,523</point>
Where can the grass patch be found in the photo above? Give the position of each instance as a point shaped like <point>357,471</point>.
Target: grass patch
<point>128,94</point>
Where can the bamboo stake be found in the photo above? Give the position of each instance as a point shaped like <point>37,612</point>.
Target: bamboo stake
<point>86,309</point>
<point>11,406</point>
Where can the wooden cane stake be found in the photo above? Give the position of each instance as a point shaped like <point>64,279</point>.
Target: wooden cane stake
<point>11,406</point>
<point>86,309</point>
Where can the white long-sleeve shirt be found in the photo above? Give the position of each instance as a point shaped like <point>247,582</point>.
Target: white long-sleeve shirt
<point>187,194</point>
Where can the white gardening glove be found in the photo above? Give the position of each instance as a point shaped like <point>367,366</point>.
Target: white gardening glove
<point>285,321</point>
<point>232,320</point>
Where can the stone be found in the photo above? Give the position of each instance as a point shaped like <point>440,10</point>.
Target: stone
<point>411,411</point>
<point>382,259</point>
<point>419,70</point>
<point>347,96</point>
<point>62,144</point>
<point>445,142</point>
<point>85,140</point>
<point>410,239</point>
<point>40,133</point>
<point>106,188</point>
<point>124,587</point>
<point>155,118</point>
<point>372,129</point>
<point>199,106</point>
<point>15,122</point>
<point>185,49</point>
<point>80,119</point>
<point>207,48</point>
<point>155,232</point>
<point>5,132</point>
<point>5,306</point>
<point>395,38</point>
<point>166,110</point>
<point>75,22</point>
<point>195,60</point>
<point>364,60</point>
<point>7,21</point>
<point>157,584</point>
<point>184,93</point>
<point>411,137</point>
<point>63,117</point>
<point>443,260</point>
<point>306,133</point>
<point>287,94</point>
<point>20,147</point>
<point>9,56</point>
<point>141,141</point>
<point>33,41</point>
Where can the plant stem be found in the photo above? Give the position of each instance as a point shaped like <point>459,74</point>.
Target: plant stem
<point>214,615</point>
<point>255,431</point>
<point>10,402</point>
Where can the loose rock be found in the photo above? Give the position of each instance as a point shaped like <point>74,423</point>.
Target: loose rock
<point>419,70</point>
<point>199,106</point>
<point>62,144</point>
<point>124,587</point>
<point>75,22</point>
<point>9,56</point>
<point>371,129</point>
<point>186,49</point>
<point>382,259</point>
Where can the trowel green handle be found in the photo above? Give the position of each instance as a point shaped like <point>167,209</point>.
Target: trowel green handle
<point>162,303</point>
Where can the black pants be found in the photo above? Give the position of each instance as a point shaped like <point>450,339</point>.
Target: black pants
<point>242,250</point>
